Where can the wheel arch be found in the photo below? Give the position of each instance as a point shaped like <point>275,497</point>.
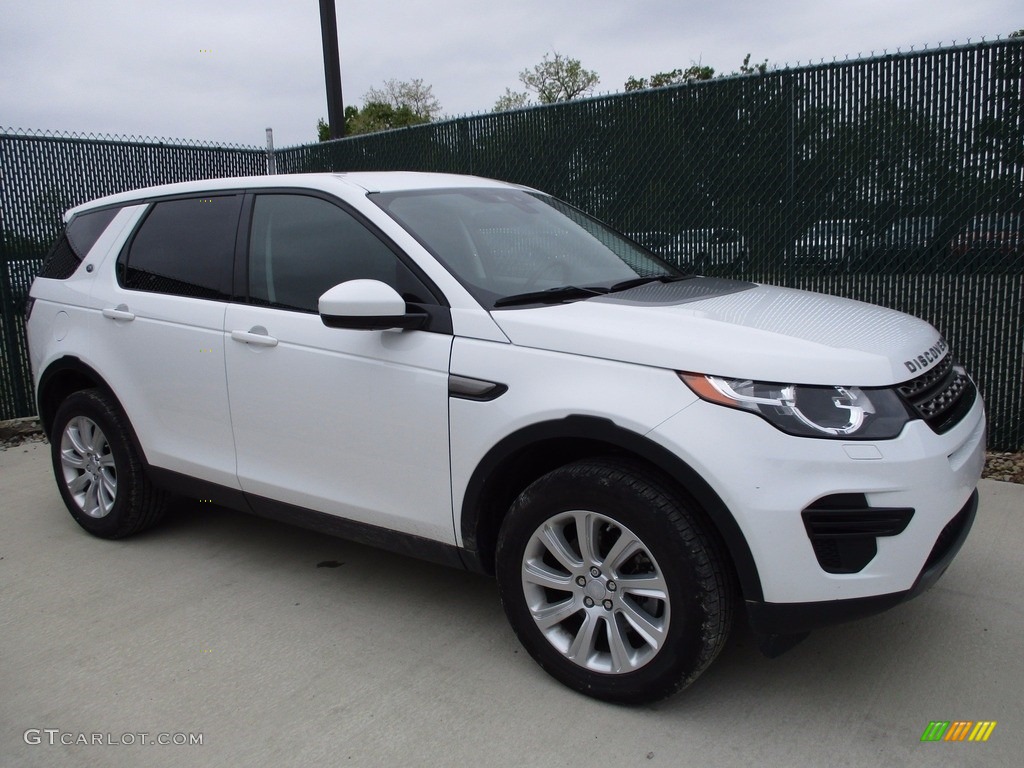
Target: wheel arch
<point>523,456</point>
<point>66,376</point>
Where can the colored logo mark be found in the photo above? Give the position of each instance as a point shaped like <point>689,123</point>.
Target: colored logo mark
<point>958,730</point>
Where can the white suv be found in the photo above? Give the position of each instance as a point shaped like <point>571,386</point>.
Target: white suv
<point>475,373</point>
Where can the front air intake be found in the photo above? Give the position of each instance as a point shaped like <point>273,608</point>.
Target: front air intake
<point>843,530</point>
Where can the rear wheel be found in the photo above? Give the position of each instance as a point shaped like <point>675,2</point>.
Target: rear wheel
<point>611,583</point>
<point>99,473</point>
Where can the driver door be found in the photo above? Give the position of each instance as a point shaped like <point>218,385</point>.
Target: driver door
<point>351,423</point>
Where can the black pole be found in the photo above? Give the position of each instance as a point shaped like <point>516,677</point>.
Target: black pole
<point>332,68</point>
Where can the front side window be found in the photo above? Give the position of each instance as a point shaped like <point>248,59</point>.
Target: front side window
<point>184,247</point>
<point>300,246</point>
<point>504,242</point>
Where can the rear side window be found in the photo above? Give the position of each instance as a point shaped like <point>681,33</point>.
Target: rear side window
<point>75,242</point>
<point>184,247</point>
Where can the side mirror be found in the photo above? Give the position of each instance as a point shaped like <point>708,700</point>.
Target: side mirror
<point>367,305</point>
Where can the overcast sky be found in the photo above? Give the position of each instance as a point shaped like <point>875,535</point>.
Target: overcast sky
<point>224,70</point>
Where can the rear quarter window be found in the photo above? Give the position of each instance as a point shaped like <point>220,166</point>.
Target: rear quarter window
<point>75,242</point>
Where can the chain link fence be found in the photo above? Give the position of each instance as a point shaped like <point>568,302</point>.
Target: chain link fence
<point>897,180</point>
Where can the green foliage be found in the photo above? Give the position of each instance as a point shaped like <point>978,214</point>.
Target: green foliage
<point>756,69</point>
<point>558,78</point>
<point>512,100</point>
<point>692,74</point>
<point>398,104</point>
<point>413,97</point>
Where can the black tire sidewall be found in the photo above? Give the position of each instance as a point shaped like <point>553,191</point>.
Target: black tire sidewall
<point>685,653</point>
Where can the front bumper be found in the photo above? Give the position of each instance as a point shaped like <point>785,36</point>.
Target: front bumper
<point>767,481</point>
<point>796,618</point>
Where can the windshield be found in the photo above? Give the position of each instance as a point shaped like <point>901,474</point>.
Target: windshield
<point>503,243</point>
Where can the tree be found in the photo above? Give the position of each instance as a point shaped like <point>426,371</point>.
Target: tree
<point>692,74</point>
<point>557,78</point>
<point>512,100</point>
<point>747,69</point>
<point>399,104</point>
<point>413,95</point>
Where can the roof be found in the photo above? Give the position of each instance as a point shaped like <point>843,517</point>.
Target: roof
<point>368,181</point>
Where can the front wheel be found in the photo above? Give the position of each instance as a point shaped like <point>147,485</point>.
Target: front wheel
<point>99,473</point>
<point>611,582</point>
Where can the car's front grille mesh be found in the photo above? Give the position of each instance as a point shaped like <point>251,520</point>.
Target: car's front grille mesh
<point>941,396</point>
<point>910,389</point>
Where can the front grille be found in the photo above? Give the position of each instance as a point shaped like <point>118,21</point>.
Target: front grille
<point>941,396</point>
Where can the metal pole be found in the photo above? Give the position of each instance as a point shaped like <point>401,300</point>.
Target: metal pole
<point>271,157</point>
<point>332,68</point>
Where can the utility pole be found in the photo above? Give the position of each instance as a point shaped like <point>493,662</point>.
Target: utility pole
<point>332,68</point>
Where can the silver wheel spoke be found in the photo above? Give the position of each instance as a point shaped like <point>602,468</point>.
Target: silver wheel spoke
<point>652,585</point>
<point>87,431</point>
<point>79,484</point>
<point>543,576</point>
<point>643,623</point>
<point>583,644</point>
<point>553,538</point>
<point>586,536</point>
<point>554,614</point>
<point>621,657</point>
<point>624,548</point>
<point>72,458</point>
<point>91,505</point>
<point>108,490</point>
<point>74,435</point>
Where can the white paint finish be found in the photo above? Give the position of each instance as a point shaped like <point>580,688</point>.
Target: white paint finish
<point>166,367</point>
<point>351,423</point>
<point>766,333</point>
<point>547,386</point>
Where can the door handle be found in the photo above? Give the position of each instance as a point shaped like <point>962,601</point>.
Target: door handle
<point>256,335</point>
<point>120,312</point>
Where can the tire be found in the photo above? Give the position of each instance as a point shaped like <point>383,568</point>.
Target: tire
<point>99,473</point>
<point>640,609</point>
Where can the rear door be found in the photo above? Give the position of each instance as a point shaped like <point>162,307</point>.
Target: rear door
<point>158,337</point>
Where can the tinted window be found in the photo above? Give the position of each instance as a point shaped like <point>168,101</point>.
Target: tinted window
<point>301,246</point>
<point>184,247</point>
<point>75,243</point>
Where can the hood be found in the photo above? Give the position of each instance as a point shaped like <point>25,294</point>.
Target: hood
<point>736,330</point>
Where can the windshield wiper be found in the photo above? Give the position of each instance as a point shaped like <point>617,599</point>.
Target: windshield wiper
<point>627,284</point>
<point>551,296</point>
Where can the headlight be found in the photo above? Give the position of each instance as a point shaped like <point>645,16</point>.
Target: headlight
<point>843,413</point>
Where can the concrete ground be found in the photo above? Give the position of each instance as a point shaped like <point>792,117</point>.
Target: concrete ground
<point>282,647</point>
